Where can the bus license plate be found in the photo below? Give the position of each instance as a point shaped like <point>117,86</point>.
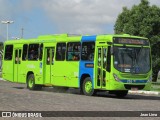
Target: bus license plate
<point>134,89</point>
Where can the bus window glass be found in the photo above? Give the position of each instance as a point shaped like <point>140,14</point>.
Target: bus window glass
<point>19,53</point>
<point>16,56</point>
<point>24,54</point>
<point>8,52</point>
<point>19,56</point>
<point>48,57</point>
<point>109,59</point>
<point>60,51</point>
<point>40,51</point>
<point>73,51</point>
<point>104,57</point>
<point>33,52</point>
<point>135,60</point>
<point>52,56</point>
<point>88,51</point>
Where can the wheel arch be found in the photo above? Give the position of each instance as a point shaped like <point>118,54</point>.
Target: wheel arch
<point>83,76</point>
<point>28,73</point>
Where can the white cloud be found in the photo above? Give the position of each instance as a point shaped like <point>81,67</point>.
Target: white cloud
<point>4,9</point>
<point>70,16</point>
<point>84,16</point>
<point>5,14</point>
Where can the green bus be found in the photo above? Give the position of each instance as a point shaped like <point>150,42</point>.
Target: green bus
<point>113,63</point>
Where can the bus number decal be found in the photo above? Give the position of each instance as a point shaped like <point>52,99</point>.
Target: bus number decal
<point>30,66</point>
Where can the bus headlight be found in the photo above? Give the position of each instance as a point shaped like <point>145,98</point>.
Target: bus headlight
<point>116,77</point>
<point>150,79</point>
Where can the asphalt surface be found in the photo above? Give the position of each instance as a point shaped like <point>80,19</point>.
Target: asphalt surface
<point>16,97</point>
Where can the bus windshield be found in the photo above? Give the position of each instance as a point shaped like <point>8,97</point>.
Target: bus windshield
<point>135,60</point>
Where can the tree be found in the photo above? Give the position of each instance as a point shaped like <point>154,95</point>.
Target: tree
<point>142,20</point>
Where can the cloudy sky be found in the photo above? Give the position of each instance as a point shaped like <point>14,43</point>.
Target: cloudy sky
<point>39,17</point>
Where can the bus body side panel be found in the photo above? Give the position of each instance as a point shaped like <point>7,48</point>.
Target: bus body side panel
<point>66,73</point>
<point>87,67</point>
<point>73,74</point>
<point>23,72</point>
<point>59,70</point>
<point>7,72</point>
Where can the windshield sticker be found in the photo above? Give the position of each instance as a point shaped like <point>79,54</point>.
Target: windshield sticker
<point>127,70</point>
<point>40,65</point>
<point>124,65</point>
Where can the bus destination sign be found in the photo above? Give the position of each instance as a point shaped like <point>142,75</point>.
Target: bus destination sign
<point>132,41</point>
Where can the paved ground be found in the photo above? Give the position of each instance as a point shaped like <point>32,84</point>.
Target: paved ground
<point>15,97</point>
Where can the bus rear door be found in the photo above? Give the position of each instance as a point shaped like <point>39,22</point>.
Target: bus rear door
<point>49,62</point>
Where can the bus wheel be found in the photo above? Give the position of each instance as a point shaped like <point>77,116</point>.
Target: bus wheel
<point>31,83</point>
<point>122,93</point>
<point>87,87</point>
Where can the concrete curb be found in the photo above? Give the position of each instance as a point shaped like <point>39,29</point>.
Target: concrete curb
<point>2,79</point>
<point>144,92</point>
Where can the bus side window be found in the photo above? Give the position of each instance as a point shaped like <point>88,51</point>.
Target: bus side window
<point>60,51</point>
<point>40,52</point>
<point>73,51</point>
<point>24,54</point>
<point>33,52</point>
<point>88,49</point>
<point>8,52</point>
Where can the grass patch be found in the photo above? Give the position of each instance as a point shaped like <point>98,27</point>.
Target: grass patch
<point>155,87</point>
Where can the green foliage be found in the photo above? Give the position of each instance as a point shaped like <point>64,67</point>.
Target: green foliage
<point>1,46</point>
<point>142,20</point>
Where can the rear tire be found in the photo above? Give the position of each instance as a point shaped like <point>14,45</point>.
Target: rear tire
<point>31,83</point>
<point>87,87</point>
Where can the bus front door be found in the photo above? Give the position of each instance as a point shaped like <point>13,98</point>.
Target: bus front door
<point>101,62</point>
<point>49,62</point>
<point>17,62</point>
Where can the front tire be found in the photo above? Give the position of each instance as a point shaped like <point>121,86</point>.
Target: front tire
<point>87,87</point>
